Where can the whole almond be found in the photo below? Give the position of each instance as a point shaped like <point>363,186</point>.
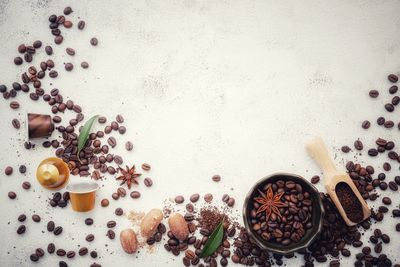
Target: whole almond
<point>178,226</point>
<point>150,221</point>
<point>129,241</point>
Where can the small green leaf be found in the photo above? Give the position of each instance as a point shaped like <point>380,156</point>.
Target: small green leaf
<point>84,134</point>
<point>214,241</point>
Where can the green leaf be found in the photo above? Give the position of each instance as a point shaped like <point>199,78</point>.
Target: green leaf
<point>84,134</point>
<point>214,241</point>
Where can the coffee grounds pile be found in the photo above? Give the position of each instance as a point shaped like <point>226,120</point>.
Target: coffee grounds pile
<point>349,201</point>
<point>210,218</point>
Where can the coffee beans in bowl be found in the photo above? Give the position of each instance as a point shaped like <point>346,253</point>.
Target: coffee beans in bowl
<point>283,213</point>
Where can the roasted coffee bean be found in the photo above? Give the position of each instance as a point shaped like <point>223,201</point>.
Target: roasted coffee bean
<point>21,229</point>
<point>128,146</point>
<point>36,218</point>
<point>386,201</point>
<point>16,124</point>
<point>83,251</point>
<point>194,198</point>
<point>389,107</point>
<point>22,218</point>
<point>88,221</point>
<point>374,93</point>
<point>34,257</point>
<point>37,44</point>
<point>372,152</point>
<point>8,170</point>
<point>383,209</point>
<point>49,50</point>
<point>393,78</point>
<point>51,248</point>
<point>146,167</point>
<point>58,230</point>
<point>380,121</point>
<point>102,120</point>
<point>111,224</point>
<point>208,197</point>
<point>61,252</point>
<point>110,234</point>
<point>14,105</point>
<point>12,195</point>
<point>28,57</point>
<point>104,202</point>
<point>393,186</point>
<point>346,149</point>
<point>69,66</point>
<point>84,65</point>
<point>62,264</point>
<point>18,61</point>
<point>358,145</point>
<point>53,74</point>
<point>50,226</point>
<point>179,199</point>
<point>378,248</point>
<point>26,185</point>
<point>81,25</point>
<point>388,124</point>
<point>216,178</point>
<point>315,179</point>
<point>70,51</point>
<point>121,191</point>
<point>119,211</point>
<point>395,100</point>
<point>94,41</point>
<point>93,254</point>
<point>135,194</point>
<point>386,166</point>
<point>39,252</point>
<point>67,10</point>
<point>70,254</point>
<point>231,202</point>
<point>58,39</point>
<point>148,182</point>
<point>89,238</point>
<point>112,142</point>
<point>122,129</point>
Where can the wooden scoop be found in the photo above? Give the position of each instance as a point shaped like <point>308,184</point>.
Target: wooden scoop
<point>318,152</point>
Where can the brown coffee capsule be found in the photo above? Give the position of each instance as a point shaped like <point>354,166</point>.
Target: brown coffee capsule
<point>39,125</point>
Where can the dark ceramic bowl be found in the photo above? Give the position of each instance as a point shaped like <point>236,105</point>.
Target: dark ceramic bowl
<point>317,215</point>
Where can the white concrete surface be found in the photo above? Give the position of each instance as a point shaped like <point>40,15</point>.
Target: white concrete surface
<point>229,87</point>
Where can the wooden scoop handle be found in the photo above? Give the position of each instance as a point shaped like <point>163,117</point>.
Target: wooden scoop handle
<point>318,152</point>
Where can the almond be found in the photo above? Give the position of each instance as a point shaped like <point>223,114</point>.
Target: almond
<point>128,241</point>
<point>150,221</point>
<point>178,226</point>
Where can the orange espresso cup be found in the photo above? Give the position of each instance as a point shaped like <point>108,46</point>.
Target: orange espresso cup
<point>83,195</point>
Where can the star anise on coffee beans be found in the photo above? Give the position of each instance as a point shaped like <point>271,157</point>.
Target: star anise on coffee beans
<point>128,176</point>
<point>270,203</point>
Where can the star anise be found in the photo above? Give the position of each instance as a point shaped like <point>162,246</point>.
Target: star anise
<point>128,176</point>
<point>270,203</point>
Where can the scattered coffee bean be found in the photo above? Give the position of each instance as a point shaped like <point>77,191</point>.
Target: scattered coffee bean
<point>216,178</point>
<point>81,25</point>
<point>315,179</point>
<point>128,146</point>
<point>36,218</point>
<point>374,93</point>
<point>208,197</point>
<point>8,170</point>
<point>88,221</point>
<point>111,224</point>
<point>358,145</point>
<point>69,66</point>
<point>135,194</point>
<point>386,201</point>
<point>21,229</point>
<point>119,211</point>
<point>89,238</point>
<point>22,218</point>
<point>104,202</point>
<point>12,195</point>
<point>179,199</point>
<point>14,105</point>
<point>148,182</point>
<point>393,78</point>
<point>110,234</point>
<point>70,51</point>
<point>84,65</point>
<point>26,185</point>
<point>94,41</point>
<point>51,248</point>
<point>58,230</point>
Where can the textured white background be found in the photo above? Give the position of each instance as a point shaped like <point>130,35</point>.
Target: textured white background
<point>228,87</point>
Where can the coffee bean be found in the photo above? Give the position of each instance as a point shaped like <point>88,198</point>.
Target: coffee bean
<point>94,41</point>
<point>58,230</point>
<point>22,218</point>
<point>53,74</point>
<point>148,182</point>
<point>104,202</point>
<point>225,198</point>
<point>21,229</point>
<point>39,252</point>
<point>231,202</point>
<point>128,146</point>
<point>345,149</point>
<point>393,78</point>
<point>28,57</point>
<point>88,221</point>
<point>112,142</point>
<point>380,121</point>
<point>58,39</point>
<point>389,107</point>
<point>102,120</point>
<point>372,152</point>
<point>14,105</point>
<point>208,197</point>
<point>89,238</point>
<point>358,145</point>
<point>315,179</point>
<point>122,129</point>
<point>51,248</point>
<point>216,178</point>
<point>395,100</point>
<point>84,65</point>
<point>396,213</point>
<point>34,257</point>
<point>110,234</point>
<point>388,124</point>
<point>378,248</point>
<point>50,226</point>
<point>374,93</point>
<point>61,252</point>
<point>67,10</point>
<point>194,198</point>
<point>135,194</point>
<point>393,89</point>
<point>70,254</point>
<point>93,254</point>
<point>18,61</point>
<point>62,264</point>
<point>111,224</point>
<point>16,124</point>
<point>83,251</point>
<point>12,195</point>
<point>69,66</point>
<point>398,227</point>
<point>37,44</point>
<point>8,170</point>
<point>119,211</point>
<point>70,51</point>
<point>36,218</point>
<point>81,25</point>
<point>386,201</point>
<point>49,50</point>
<point>26,185</point>
<point>179,199</point>
<point>393,186</point>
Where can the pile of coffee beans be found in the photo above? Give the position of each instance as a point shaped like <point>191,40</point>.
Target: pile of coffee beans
<point>294,208</point>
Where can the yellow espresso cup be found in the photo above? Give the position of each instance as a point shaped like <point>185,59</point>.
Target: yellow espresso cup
<point>83,195</point>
